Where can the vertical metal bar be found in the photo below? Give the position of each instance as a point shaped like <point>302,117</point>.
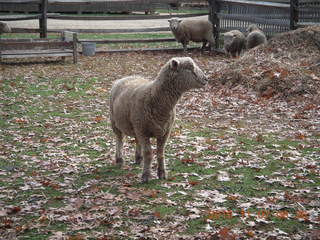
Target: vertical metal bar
<point>213,17</point>
<point>294,14</point>
<point>43,8</point>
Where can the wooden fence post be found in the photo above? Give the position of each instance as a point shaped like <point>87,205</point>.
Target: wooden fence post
<point>294,14</point>
<point>213,17</point>
<point>43,18</point>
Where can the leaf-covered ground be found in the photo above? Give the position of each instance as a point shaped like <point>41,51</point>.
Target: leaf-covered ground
<point>241,165</point>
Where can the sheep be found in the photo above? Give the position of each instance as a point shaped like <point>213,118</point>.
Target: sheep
<point>145,109</point>
<point>4,28</point>
<point>255,36</point>
<point>234,41</point>
<point>196,30</point>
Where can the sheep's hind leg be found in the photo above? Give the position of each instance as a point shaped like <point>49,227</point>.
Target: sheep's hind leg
<point>161,142</point>
<point>138,156</point>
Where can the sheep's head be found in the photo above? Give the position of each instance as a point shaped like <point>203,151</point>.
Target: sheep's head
<point>4,28</point>
<point>187,74</point>
<point>228,38</point>
<point>174,23</point>
<point>252,27</point>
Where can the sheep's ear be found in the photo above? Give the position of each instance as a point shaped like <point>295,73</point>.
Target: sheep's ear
<point>169,20</point>
<point>179,20</point>
<point>174,64</point>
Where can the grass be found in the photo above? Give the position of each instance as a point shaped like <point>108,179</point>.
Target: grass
<point>57,161</point>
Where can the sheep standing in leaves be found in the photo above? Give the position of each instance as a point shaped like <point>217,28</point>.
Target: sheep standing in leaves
<point>145,109</point>
<point>4,28</point>
<point>196,30</point>
<point>234,41</point>
<point>255,36</point>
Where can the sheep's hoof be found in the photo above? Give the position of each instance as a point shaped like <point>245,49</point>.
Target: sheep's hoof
<point>119,162</point>
<point>138,160</point>
<point>161,174</point>
<point>145,178</point>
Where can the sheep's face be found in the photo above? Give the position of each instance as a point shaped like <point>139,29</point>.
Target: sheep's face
<point>228,38</point>
<point>174,23</point>
<point>4,28</point>
<point>252,27</point>
<point>187,74</point>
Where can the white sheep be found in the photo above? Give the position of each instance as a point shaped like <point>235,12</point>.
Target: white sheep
<point>4,28</point>
<point>145,109</point>
<point>234,41</point>
<point>255,36</point>
<point>196,30</point>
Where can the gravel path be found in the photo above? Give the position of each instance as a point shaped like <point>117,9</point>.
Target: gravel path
<point>94,24</point>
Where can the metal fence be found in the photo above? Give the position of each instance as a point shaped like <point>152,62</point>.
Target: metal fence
<point>272,17</point>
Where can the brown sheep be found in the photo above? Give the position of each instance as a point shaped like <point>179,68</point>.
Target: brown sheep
<point>196,30</point>
<point>145,109</point>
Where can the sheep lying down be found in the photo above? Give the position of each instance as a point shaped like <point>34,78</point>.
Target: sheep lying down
<point>145,109</point>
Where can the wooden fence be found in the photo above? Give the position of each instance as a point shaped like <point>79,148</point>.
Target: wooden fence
<point>43,15</point>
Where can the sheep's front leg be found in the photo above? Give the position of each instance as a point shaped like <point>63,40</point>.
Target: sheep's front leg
<point>147,159</point>
<point>161,142</point>
<point>138,156</point>
<point>185,44</point>
<point>204,43</point>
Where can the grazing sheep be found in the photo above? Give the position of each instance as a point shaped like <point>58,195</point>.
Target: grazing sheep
<point>255,36</point>
<point>192,30</point>
<point>234,41</point>
<point>4,28</point>
<point>143,109</point>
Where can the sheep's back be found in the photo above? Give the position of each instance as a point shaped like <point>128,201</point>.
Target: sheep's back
<point>255,38</point>
<point>197,30</point>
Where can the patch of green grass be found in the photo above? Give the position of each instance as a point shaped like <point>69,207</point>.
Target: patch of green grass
<point>195,226</point>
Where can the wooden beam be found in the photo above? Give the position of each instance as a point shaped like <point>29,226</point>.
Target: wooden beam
<point>75,47</point>
<point>257,3</point>
<point>148,40</point>
<point>43,8</point>
<point>19,17</point>
<point>136,30</point>
<point>129,17</point>
<point>18,1</point>
<point>33,45</point>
